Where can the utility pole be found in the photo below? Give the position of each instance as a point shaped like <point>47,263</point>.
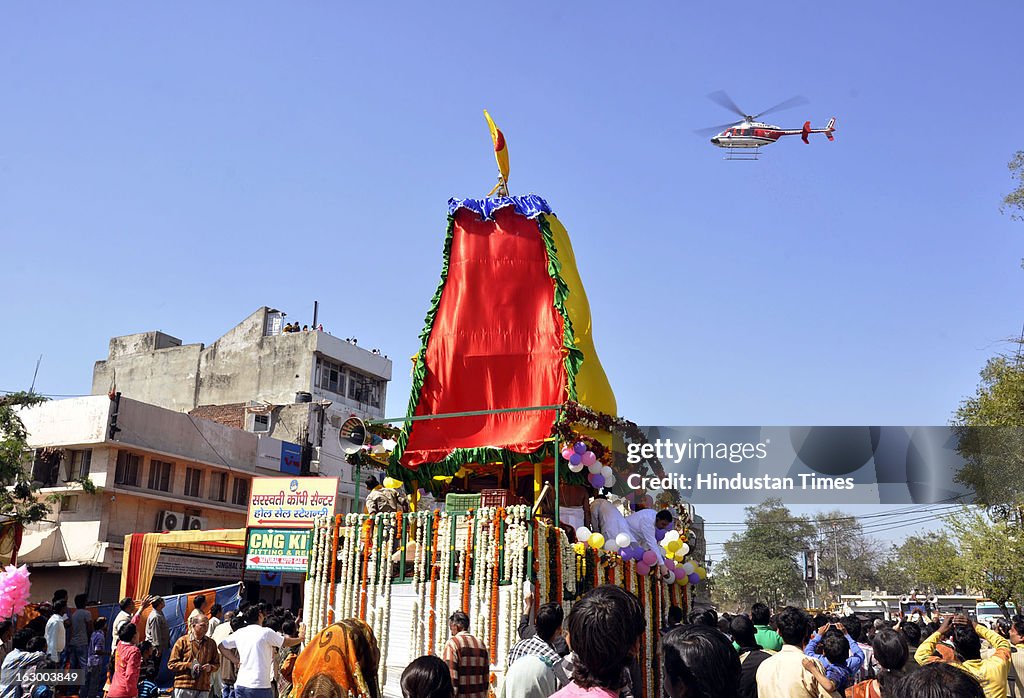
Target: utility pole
<point>835,543</point>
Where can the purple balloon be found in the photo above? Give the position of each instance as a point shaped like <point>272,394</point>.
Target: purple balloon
<point>597,480</point>
<point>580,447</point>
<point>643,569</point>
<point>694,578</point>
<point>575,459</point>
<point>659,534</point>
<point>626,553</point>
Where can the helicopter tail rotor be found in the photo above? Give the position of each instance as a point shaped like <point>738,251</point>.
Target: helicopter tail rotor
<point>830,128</point>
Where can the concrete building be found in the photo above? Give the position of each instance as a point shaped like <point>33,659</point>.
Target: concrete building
<point>162,470</point>
<point>294,386</point>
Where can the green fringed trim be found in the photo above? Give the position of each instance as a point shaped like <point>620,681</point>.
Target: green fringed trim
<point>573,356</point>
<point>419,371</point>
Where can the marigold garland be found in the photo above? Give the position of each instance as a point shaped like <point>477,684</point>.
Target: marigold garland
<point>334,569</point>
<point>433,581</point>
<point>467,568</point>
<point>363,579</point>
<point>492,638</point>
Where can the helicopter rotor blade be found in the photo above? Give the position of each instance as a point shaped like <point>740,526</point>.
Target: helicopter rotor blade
<point>791,102</point>
<point>723,100</point>
<point>712,130</point>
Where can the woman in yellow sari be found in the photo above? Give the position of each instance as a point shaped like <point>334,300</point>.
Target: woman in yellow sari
<point>339,662</point>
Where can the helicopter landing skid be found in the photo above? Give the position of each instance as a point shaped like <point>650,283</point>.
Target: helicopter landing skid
<point>743,153</point>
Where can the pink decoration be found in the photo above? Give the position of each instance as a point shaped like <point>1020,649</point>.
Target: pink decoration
<point>680,574</point>
<point>642,568</point>
<point>15,589</point>
<point>567,452</point>
<point>650,558</point>
<point>589,458</point>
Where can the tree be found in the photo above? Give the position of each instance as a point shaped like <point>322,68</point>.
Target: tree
<point>993,549</point>
<point>931,563</point>
<point>18,500</point>
<point>761,563</point>
<point>1014,201</point>
<point>860,556</point>
<point>991,439</point>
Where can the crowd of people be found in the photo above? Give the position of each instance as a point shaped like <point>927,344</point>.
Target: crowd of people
<point>257,652</point>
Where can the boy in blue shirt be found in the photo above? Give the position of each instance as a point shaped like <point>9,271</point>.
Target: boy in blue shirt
<point>842,658</point>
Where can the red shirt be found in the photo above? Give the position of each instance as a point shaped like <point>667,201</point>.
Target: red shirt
<point>127,662</point>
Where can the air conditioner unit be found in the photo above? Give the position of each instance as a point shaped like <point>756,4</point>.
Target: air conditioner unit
<point>170,521</point>
<point>195,523</point>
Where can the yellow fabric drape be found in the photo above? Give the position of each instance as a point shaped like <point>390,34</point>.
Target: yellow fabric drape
<point>230,541</point>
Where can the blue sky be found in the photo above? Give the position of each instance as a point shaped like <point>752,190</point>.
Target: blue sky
<point>176,166</point>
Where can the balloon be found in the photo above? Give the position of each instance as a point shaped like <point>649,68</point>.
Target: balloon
<point>589,458</point>
<point>609,481</point>
<point>626,553</point>
<point>611,546</point>
<point>701,572</point>
<point>694,579</point>
<point>689,567</point>
<point>567,453</point>
<point>670,564</point>
<point>597,480</point>
<point>686,548</point>
<point>575,468</point>
<point>582,534</point>
<point>596,540</point>
<point>650,558</point>
<point>622,540</point>
<point>606,470</point>
<point>594,468</point>
<point>679,573</point>
<point>643,568</point>
<point>672,535</point>
<point>580,448</point>
<point>673,546</point>
<point>659,534</point>
<point>575,459</point>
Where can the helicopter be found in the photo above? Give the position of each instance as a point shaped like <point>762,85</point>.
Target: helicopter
<point>744,138</point>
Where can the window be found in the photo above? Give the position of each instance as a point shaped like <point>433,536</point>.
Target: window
<point>364,389</point>
<point>240,493</point>
<point>69,503</point>
<point>128,467</point>
<point>78,463</point>
<point>160,475</point>
<point>193,482</point>
<point>46,466</point>
<point>330,376</point>
<point>219,487</point>
<point>261,423</point>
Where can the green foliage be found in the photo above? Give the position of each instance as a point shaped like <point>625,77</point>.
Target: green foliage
<point>1014,201</point>
<point>992,551</point>
<point>990,429</point>
<point>17,495</point>
<point>860,556</point>
<point>761,563</point>
<point>930,563</point>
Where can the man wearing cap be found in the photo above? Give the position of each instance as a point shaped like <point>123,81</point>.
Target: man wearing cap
<point>384,499</point>
<point>157,630</point>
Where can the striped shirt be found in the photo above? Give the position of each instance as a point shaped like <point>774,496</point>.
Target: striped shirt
<point>469,662</point>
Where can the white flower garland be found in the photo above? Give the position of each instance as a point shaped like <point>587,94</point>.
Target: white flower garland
<point>384,589</point>
<point>568,563</point>
<point>517,540</point>
<point>441,608</point>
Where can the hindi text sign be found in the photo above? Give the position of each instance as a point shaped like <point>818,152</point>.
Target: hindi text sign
<point>277,550</point>
<point>290,502</point>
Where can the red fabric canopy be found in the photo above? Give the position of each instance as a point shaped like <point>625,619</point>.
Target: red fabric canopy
<point>496,342</point>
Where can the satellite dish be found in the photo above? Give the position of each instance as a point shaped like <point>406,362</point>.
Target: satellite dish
<point>352,436</point>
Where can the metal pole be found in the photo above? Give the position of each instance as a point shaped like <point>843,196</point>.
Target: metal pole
<point>558,519</point>
<point>835,542</point>
<point>473,413</point>
<point>355,502</point>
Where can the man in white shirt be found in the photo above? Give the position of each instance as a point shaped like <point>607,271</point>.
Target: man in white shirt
<point>606,519</point>
<point>644,526</point>
<point>55,634</point>
<point>255,646</point>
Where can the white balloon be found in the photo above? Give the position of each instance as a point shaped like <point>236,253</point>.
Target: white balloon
<point>622,540</point>
<point>595,469</point>
<point>689,567</point>
<point>576,468</point>
<point>685,550</point>
<point>612,546</point>
<point>609,481</point>
<point>606,471</point>
<point>583,534</point>
<point>671,536</point>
